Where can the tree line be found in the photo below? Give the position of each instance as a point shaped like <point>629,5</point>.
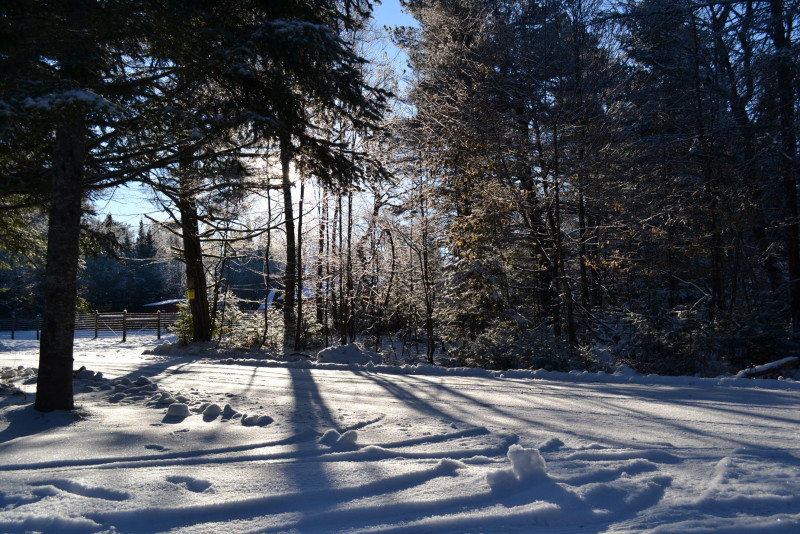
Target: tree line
<point>557,183</point>
<point>611,175</point>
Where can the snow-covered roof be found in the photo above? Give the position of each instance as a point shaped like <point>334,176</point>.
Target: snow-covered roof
<point>164,302</point>
<point>273,294</point>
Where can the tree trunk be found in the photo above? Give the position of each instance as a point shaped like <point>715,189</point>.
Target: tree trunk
<point>298,333</point>
<point>783,49</point>
<point>350,315</point>
<point>384,306</point>
<point>323,230</point>
<point>336,260</point>
<point>291,250</point>
<point>267,278</point>
<point>54,385</point>
<point>193,256</point>
<point>427,285</point>
<point>334,268</point>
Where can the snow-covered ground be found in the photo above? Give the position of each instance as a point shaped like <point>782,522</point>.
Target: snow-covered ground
<point>174,440</point>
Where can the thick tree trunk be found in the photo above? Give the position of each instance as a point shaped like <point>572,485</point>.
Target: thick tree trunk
<point>193,256</point>
<point>54,386</point>
<point>289,279</point>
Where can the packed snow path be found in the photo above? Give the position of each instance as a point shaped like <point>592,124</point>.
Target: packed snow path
<point>176,442</point>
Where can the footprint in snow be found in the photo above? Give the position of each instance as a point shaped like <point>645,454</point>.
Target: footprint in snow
<point>194,485</point>
<point>550,445</point>
<point>76,488</point>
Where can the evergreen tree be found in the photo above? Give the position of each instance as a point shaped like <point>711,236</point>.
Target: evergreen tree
<point>60,89</point>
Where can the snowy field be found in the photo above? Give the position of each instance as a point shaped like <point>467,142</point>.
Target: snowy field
<point>167,440</point>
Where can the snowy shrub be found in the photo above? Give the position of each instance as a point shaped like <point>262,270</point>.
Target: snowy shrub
<point>312,333</point>
<point>239,330</point>
<point>681,342</point>
<point>486,324</point>
<point>507,344</point>
<point>183,326</point>
<point>228,320</point>
<point>755,340</point>
<point>245,330</point>
<point>474,294</point>
<point>661,343</point>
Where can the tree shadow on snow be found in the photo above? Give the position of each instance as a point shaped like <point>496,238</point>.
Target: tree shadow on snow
<point>23,421</point>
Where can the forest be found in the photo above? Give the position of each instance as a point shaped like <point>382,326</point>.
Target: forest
<point>557,184</point>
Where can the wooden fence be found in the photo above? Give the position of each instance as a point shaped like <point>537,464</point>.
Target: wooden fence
<point>114,324</point>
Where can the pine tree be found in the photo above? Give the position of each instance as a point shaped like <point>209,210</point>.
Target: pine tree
<point>56,89</point>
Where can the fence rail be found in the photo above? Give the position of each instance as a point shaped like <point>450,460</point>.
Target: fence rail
<point>116,324</point>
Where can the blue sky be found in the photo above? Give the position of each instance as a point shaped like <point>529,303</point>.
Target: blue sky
<point>389,13</point>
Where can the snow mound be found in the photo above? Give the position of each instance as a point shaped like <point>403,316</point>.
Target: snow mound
<point>211,411</point>
<point>10,394</point>
<point>350,353</point>
<point>164,398</point>
<point>256,420</point>
<point>86,374</point>
<point>626,371</point>
<point>329,437</point>
<point>178,409</point>
<point>527,467</point>
<point>332,438</point>
<point>143,381</point>
<point>26,375</point>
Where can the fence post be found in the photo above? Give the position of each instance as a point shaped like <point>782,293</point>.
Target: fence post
<point>158,323</point>
<point>124,324</point>
<point>13,323</point>
<point>96,323</point>
<point>38,326</point>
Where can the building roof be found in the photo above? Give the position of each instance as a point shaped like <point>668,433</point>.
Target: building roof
<point>272,296</point>
<point>164,302</point>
